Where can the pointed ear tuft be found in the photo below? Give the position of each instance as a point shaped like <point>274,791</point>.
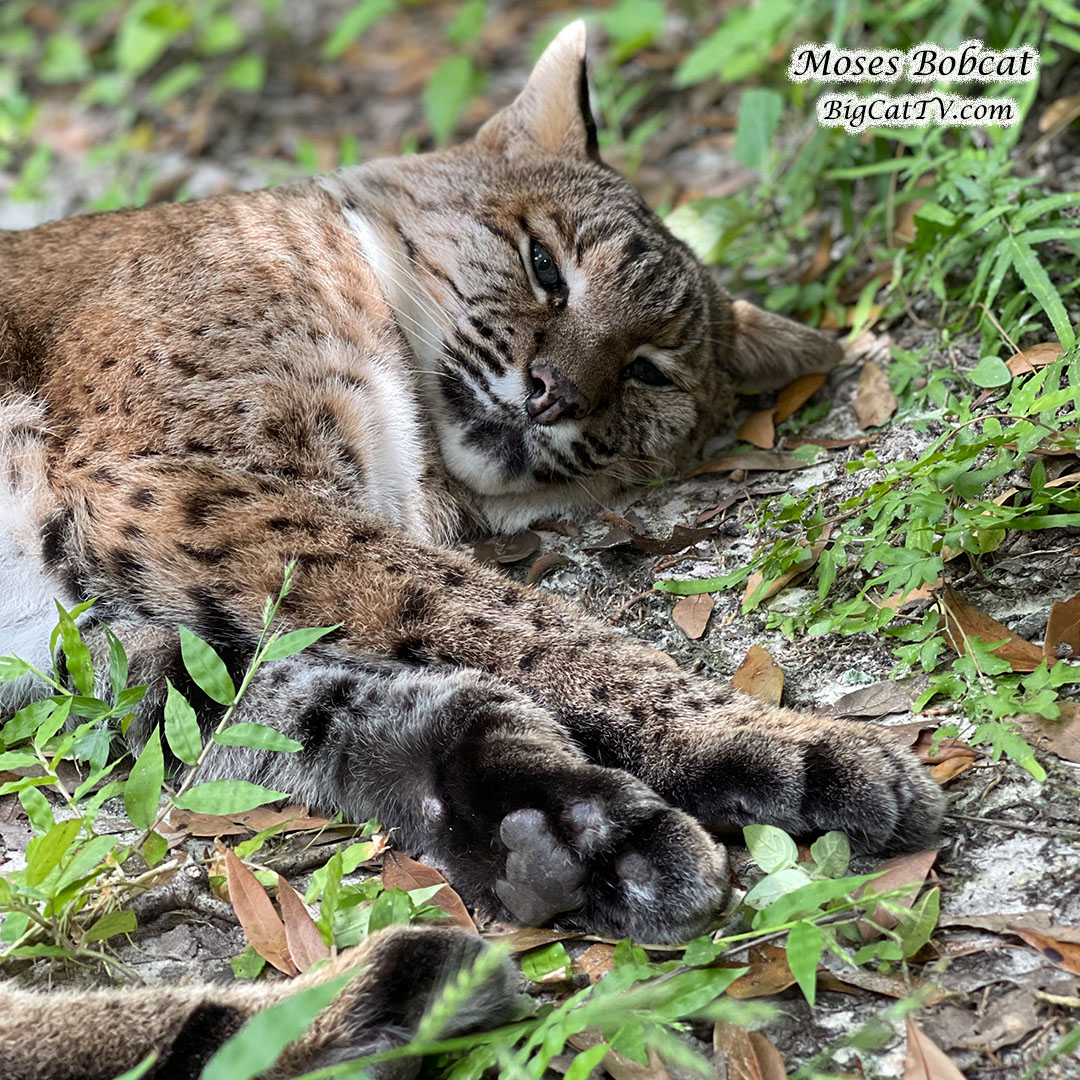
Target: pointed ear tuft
<point>552,114</point>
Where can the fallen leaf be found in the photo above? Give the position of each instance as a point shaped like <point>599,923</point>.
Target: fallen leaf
<point>925,1060</point>
<point>507,549</point>
<point>947,749</point>
<point>619,1066</point>
<point>898,600</point>
<point>544,565</point>
<point>1059,113</point>
<point>305,943</point>
<point>944,771</point>
<point>262,926</point>
<point>760,676</point>
<point>1063,954</point>
<point>821,258</point>
<point>713,511</point>
<point>999,923</point>
<point>1007,1019</point>
<point>596,961</point>
<point>563,528</point>
<point>905,870</point>
<point>793,442</point>
<point>1061,737</point>
<point>751,461</point>
<point>758,429</point>
<point>963,621</point>
<point>1063,630</point>
<point>874,402</point>
<point>681,537</point>
<point>792,398</point>
<point>401,872</point>
<point>691,614</point>
<point>290,818</point>
<point>531,937</point>
<point>754,581</point>
<point>768,974</point>
<point>1037,356</point>
<point>745,1055</point>
<point>878,699</point>
<point>887,984</point>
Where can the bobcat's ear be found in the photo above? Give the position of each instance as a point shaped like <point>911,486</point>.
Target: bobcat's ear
<point>552,113</point>
<point>769,351</point>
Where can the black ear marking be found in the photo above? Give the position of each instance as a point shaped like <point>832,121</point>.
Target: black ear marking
<point>592,144</point>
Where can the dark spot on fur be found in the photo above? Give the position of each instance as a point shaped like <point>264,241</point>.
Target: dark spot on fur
<point>54,535</point>
<point>141,499</point>
<point>415,604</point>
<point>529,658</point>
<point>132,531</point>
<point>315,720</point>
<point>452,578</point>
<point>600,693</point>
<point>412,651</point>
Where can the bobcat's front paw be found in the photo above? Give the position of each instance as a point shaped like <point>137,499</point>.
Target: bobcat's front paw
<point>650,872</point>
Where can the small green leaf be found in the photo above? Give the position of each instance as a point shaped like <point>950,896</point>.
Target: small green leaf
<point>354,22</point>
<point>541,964</point>
<point>36,806</point>
<point>247,964</point>
<point>451,86</point>
<point>990,371</point>
<point>227,797</point>
<point>259,736</point>
<point>804,944</point>
<point>140,1070</point>
<point>392,907</point>
<point>206,668</point>
<point>759,115</point>
<point>111,924</point>
<point>76,655</point>
<point>181,727</point>
<point>292,643</point>
<point>154,848</point>
<point>915,928</point>
<point>771,848</point>
<point>246,74</point>
<point>44,853</point>
<point>831,854</point>
<point>584,1063</point>
<point>142,792</point>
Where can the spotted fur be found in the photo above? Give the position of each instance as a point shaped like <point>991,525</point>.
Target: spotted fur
<point>354,371</point>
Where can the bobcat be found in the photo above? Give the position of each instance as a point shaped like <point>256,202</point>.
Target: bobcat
<point>353,372</point>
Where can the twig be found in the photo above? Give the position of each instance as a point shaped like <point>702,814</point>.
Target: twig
<point>1043,830</point>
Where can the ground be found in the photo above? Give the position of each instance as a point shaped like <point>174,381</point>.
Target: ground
<point>1012,846</point>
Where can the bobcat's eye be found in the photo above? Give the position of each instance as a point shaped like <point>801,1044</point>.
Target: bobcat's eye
<point>547,273</point>
<point>645,371</point>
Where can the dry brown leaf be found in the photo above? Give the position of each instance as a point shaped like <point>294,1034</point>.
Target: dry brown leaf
<point>262,926</point>
<point>544,565</point>
<point>531,937</point>
<point>714,511</point>
<point>962,621</point>
<point>926,1060</point>
<point>852,980</point>
<point>1059,113</point>
<point>1061,737</point>
<point>947,750</point>
<point>903,870</point>
<point>760,676</point>
<point>507,549</point>
<point>1007,1019</point>
<point>758,429</point>
<point>879,699</point>
<point>1037,356</point>
<point>401,872</point>
<point>1062,954</point>
<point>596,961</point>
<point>630,532</point>
<point>746,1055</point>
<point>792,398</point>
<point>619,1066</point>
<point>874,402</point>
<point>945,771</point>
<point>290,818</point>
<point>768,974</point>
<point>691,614</point>
<point>751,461</point>
<point>1063,630</point>
<point>305,943</point>
<point>898,600</point>
<point>786,578</point>
<point>821,259</point>
<point>563,528</point>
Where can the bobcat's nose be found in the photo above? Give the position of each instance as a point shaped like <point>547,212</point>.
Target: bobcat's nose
<point>552,396</point>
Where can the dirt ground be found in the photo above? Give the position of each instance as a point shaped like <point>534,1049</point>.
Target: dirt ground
<point>1012,846</point>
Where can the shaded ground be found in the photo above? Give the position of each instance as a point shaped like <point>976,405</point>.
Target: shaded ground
<point>1012,846</point>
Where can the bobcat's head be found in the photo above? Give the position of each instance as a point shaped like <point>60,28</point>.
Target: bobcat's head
<point>571,345</point>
